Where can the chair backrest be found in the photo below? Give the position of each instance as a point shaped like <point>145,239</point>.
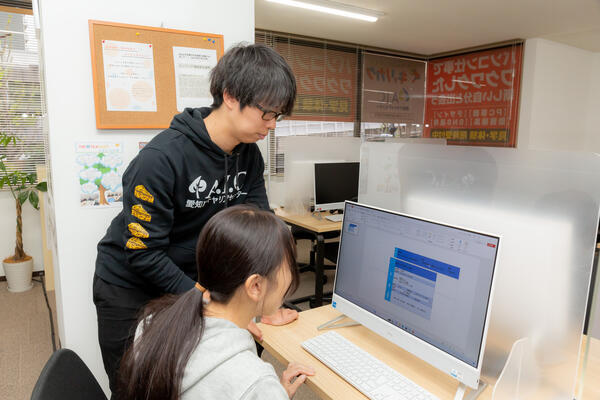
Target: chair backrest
<point>66,377</point>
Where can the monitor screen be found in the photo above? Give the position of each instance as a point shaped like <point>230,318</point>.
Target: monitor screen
<point>335,183</point>
<point>431,280</point>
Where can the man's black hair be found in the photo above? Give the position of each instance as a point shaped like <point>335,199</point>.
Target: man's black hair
<point>254,74</point>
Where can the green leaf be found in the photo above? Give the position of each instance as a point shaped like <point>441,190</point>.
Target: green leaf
<point>102,168</point>
<point>31,178</point>
<point>6,139</point>
<point>2,166</point>
<point>42,186</point>
<point>83,181</point>
<point>22,196</point>
<point>34,199</point>
<point>14,178</point>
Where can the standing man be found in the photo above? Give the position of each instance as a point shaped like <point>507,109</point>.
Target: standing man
<point>205,161</point>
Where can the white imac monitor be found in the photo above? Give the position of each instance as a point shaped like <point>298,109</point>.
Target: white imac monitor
<point>335,182</point>
<point>423,285</point>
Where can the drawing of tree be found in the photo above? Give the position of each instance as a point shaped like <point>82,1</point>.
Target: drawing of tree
<point>99,174</point>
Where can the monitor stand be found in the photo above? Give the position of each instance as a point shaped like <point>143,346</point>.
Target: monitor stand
<point>332,324</point>
<point>473,394</point>
<point>317,214</point>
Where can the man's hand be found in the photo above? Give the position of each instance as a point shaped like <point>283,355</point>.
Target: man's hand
<point>255,331</point>
<point>297,371</point>
<point>281,317</point>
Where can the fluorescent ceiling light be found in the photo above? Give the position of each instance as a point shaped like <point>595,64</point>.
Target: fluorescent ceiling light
<point>335,8</point>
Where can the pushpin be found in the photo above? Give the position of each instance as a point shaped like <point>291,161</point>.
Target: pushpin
<point>137,34</point>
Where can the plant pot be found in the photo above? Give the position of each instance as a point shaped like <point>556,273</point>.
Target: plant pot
<point>18,274</point>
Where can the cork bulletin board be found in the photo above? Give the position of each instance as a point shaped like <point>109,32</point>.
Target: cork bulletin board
<point>137,82</point>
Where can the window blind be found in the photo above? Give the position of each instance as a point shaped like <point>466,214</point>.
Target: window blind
<point>327,80</point>
<point>21,92</point>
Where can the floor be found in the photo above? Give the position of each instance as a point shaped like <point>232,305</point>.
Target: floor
<point>25,340</point>
<point>26,344</point>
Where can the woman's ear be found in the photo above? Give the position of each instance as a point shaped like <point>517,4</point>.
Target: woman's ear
<point>255,287</point>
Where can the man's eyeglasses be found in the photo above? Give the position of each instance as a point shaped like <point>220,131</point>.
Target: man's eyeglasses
<point>269,115</point>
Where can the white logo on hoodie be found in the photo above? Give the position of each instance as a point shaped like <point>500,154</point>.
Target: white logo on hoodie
<point>216,193</point>
<point>197,186</point>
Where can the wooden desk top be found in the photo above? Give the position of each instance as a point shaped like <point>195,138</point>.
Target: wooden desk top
<point>283,342</point>
<point>310,222</point>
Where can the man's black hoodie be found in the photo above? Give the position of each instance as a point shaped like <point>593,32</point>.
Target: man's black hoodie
<point>175,184</point>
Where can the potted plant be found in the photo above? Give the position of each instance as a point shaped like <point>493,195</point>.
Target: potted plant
<point>23,187</point>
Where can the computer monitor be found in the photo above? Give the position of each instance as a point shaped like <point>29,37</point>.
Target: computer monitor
<point>334,183</point>
<point>423,285</point>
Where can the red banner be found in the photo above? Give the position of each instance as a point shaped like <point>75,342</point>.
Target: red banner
<point>473,99</point>
<point>326,82</point>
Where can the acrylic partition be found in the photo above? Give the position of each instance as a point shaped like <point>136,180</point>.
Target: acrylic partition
<point>545,206</point>
<point>589,377</point>
<point>300,155</point>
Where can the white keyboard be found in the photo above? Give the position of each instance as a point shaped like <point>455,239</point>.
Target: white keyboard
<point>335,217</point>
<point>363,371</point>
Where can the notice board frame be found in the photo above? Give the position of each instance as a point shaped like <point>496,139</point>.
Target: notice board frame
<point>163,40</point>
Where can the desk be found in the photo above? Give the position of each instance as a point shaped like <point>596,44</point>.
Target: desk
<point>317,227</point>
<point>283,342</point>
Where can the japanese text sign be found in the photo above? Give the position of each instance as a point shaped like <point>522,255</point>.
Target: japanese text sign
<point>393,90</point>
<point>325,80</point>
<point>473,98</point>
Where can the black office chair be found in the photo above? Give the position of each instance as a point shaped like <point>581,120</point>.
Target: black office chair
<point>330,252</point>
<point>66,377</point>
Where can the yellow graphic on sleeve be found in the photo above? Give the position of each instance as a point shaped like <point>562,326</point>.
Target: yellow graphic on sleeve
<point>138,230</point>
<point>139,212</point>
<point>135,244</point>
<point>143,194</point>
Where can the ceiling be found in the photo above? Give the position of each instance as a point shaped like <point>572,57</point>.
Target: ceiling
<point>434,26</point>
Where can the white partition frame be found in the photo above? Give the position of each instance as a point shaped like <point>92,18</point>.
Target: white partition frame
<point>544,204</point>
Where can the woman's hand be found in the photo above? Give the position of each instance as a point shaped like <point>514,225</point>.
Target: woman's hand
<point>294,376</point>
<point>281,317</point>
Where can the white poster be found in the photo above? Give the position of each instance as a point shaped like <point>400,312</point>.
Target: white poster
<point>192,70</point>
<point>100,169</point>
<point>129,76</point>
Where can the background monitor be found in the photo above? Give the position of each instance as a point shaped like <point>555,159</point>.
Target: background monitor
<point>335,183</point>
<point>423,285</point>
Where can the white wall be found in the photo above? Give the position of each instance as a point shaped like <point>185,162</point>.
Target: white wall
<point>556,97</point>
<point>70,98</point>
<point>593,117</point>
<point>32,234</point>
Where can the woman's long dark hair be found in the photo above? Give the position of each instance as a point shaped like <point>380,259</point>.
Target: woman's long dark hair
<point>235,243</point>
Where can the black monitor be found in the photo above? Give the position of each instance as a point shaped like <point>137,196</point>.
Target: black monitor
<point>334,183</point>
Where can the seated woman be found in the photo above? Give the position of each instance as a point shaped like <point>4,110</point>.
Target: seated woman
<point>195,346</point>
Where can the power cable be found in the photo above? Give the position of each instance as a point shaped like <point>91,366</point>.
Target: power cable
<point>52,335</point>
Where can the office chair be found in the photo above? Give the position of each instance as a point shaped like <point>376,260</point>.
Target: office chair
<point>330,249</point>
<point>329,253</point>
<point>66,377</point>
